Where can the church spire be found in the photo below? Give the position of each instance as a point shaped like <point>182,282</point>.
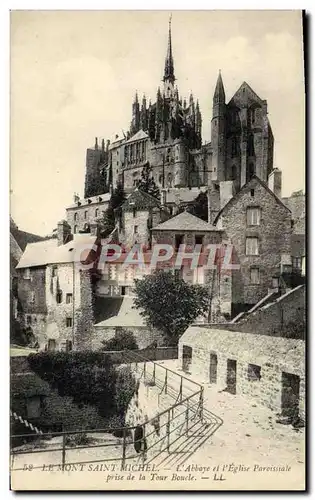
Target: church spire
<point>219,94</point>
<point>169,62</point>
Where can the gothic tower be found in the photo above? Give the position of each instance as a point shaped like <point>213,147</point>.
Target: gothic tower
<point>169,77</point>
<point>135,122</point>
<point>218,138</point>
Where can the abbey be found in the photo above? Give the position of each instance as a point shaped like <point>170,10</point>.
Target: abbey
<point>167,136</point>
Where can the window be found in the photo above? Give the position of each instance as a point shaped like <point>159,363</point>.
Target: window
<point>96,212</point>
<point>160,179</point>
<point>51,345</point>
<point>199,240</point>
<point>251,115</point>
<point>297,262</point>
<point>233,173</point>
<point>69,298</point>
<point>234,146</point>
<point>199,276</point>
<point>59,297</point>
<point>135,230</point>
<point>134,212</point>
<point>251,148</point>
<point>179,239</point>
<point>29,320</point>
<point>253,373</point>
<point>54,271</point>
<point>68,322</point>
<point>75,215</point>
<point>250,171</point>
<point>75,229</point>
<point>252,193</point>
<point>123,290</point>
<point>253,216</point>
<point>27,274</point>
<point>252,246</point>
<point>254,276</point>
<point>85,214</point>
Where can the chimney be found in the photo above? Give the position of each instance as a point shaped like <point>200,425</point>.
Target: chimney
<point>76,197</point>
<point>63,232</point>
<point>163,197</point>
<point>275,182</point>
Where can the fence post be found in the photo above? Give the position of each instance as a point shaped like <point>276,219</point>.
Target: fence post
<point>168,426</point>
<point>201,399</point>
<point>187,418</point>
<point>154,374</point>
<point>63,451</point>
<point>144,444</point>
<point>166,381</point>
<point>181,389</point>
<point>123,450</point>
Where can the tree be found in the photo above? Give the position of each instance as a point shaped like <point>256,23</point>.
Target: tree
<point>122,341</point>
<point>147,183</point>
<point>199,208</point>
<point>107,221</point>
<point>170,304</point>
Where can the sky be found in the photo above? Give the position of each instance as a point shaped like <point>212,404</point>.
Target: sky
<point>74,75</point>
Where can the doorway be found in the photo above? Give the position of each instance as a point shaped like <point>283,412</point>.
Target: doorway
<point>231,376</point>
<point>187,358</point>
<point>213,368</point>
<point>290,395</point>
<point>51,345</point>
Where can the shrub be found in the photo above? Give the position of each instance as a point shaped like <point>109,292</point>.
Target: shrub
<point>122,341</point>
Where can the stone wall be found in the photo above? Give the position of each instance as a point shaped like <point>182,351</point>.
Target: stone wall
<point>85,214</point>
<point>144,335</point>
<point>273,233</point>
<point>273,357</point>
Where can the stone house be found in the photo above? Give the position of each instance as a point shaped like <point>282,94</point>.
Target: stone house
<point>259,227</point>
<point>55,288</point>
<point>137,216</point>
<point>84,212</point>
<point>269,370</point>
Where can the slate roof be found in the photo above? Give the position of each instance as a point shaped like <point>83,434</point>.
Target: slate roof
<point>118,312</point>
<point>140,200</point>
<point>185,222</point>
<point>100,198</point>
<point>48,251</point>
<point>185,195</point>
<point>138,136</point>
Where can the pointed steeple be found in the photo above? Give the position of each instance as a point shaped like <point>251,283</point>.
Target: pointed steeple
<point>169,62</point>
<point>219,94</point>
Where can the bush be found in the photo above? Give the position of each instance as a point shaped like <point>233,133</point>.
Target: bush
<point>122,341</point>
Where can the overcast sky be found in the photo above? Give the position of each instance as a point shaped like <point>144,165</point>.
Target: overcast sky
<point>74,75</point>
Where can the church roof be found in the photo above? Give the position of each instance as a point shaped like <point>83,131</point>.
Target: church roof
<point>140,200</point>
<point>138,136</point>
<point>185,222</point>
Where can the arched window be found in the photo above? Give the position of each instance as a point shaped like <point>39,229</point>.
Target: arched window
<point>234,172</point>
<point>96,212</point>
<point>250,171</point>
<point>75,229</point>
<point>234,146</point>
<point>76,216</point>
<point>251,116</point>
<point>169,179</point>
<point>160,179</point>
<point>251,149</point>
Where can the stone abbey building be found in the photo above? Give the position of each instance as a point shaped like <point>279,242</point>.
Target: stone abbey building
<point>167,136</point>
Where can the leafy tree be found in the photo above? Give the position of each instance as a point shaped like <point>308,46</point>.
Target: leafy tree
<point>122,341</point>
<point>147,183</point>
<point>199,208</point>
<point>107,221</point>
<point>170,304</point>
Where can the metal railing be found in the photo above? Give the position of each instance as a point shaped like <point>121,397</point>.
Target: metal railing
<point>185,400</point>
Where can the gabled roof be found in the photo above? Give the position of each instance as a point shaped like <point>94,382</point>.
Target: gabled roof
<point>91,200</point>
<point>138,136</point>
<point>186,195</point>
<point>140,200</point>
<point>244,188</point>
<point>248,88</point>
<point>185,222</point>
<point>48,252</point>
